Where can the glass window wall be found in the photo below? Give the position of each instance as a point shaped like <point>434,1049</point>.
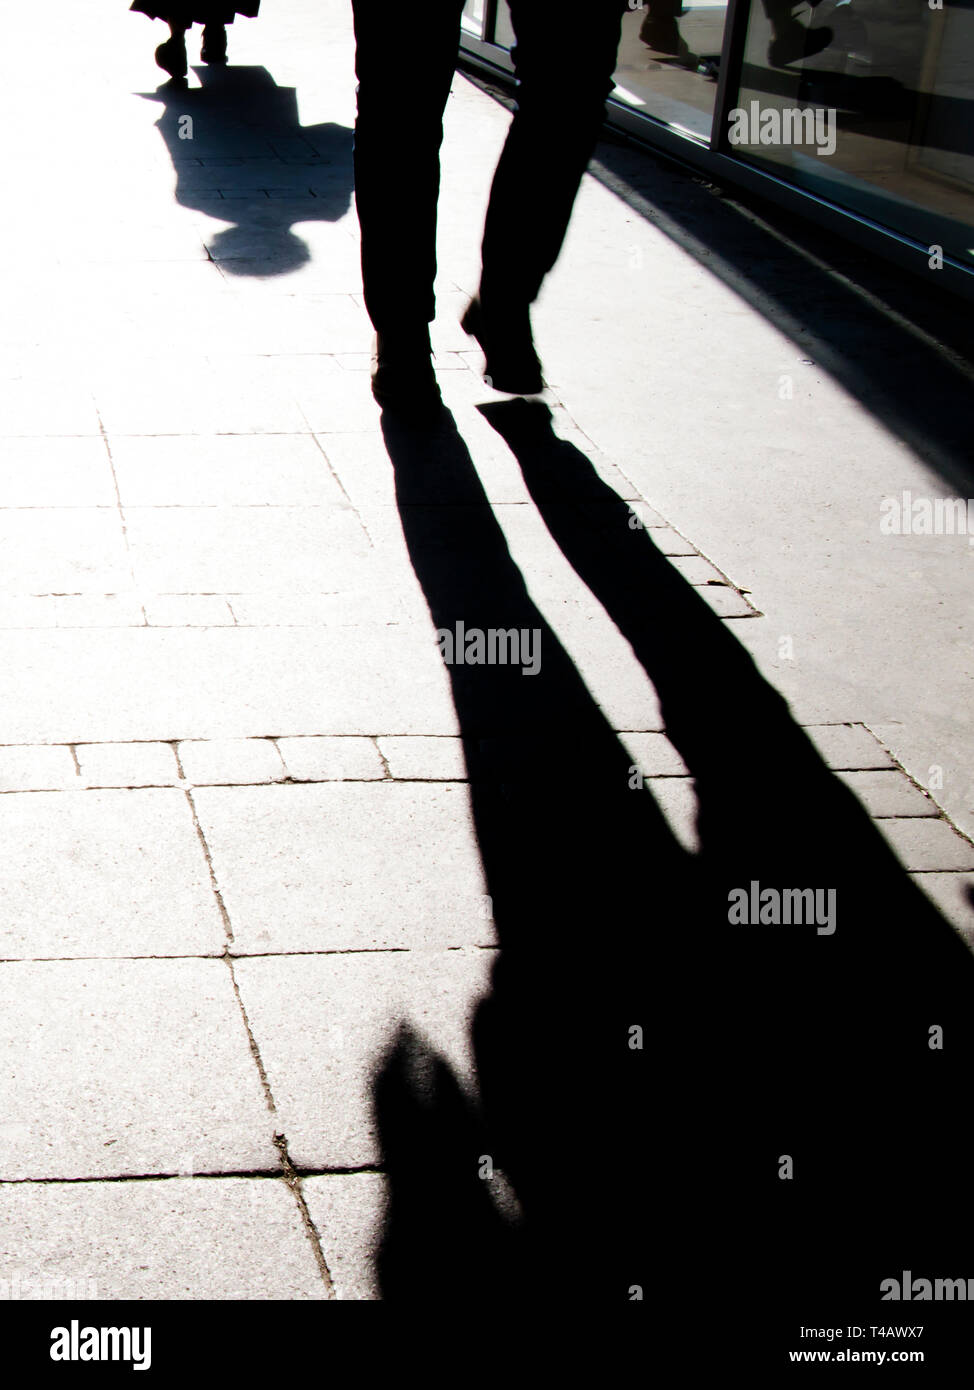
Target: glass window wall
<point>867,103</point>
<point>864,104</point>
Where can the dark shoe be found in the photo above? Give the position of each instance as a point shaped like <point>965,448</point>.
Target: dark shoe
<point>403,379</point>
<point>661,35</point>
<point>214,48</point>
<point>171,57</point>
<point>511,363</point>
<point>795,43</point>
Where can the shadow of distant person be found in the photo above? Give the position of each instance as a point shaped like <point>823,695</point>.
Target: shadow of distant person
<point>241,155</point>
<point>769,1042</point>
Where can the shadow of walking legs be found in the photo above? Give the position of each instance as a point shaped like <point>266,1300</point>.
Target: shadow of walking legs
<point>559,831</point>
<point>812,1045</point>
<point>772,1045</point>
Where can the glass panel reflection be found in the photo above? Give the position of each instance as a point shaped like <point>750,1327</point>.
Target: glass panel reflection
<point>669,61</point>
<point>867,103</point>
<point>472,19</point>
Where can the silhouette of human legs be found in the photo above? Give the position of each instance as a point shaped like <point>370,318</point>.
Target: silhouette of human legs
<point>171,55</point>
<point>564,75</point>
<point>659,29</point>
<point>398,133</point>
<point>792,41</point>
<point>214,48</point>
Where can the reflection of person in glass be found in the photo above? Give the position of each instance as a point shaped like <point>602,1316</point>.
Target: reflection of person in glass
<point>171,55</point>
<point>563,63</point>
<point>791,41</point>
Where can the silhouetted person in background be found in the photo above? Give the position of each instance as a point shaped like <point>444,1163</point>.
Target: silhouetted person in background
<point>171,55</point>
<point>564,59</point>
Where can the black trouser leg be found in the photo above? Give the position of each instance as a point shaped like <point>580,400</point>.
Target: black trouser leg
<point>403,85</point>
<point>779,13</point>
<point>564,60</point>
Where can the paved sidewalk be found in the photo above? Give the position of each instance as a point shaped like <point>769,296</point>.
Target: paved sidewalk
<point>236,837</point>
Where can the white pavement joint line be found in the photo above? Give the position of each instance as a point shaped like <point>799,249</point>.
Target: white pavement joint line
<point>294,1183</point>
<point>121,515</point>
<point>944,815</point>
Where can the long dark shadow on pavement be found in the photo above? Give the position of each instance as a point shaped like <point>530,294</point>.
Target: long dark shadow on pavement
<point>812,1043</point>
<point>566,846</point>
<point>237,117</point>
<point>770,1044</point>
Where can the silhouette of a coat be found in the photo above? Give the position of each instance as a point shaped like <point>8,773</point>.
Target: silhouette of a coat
<point>196,14</point>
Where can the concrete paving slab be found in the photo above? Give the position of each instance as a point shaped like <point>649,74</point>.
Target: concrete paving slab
<point>196,397</point>
<point>670,542</point>
<point>98,610</point>
<point>938,756</point>
<point>37,768</point>
<point>330,399</point>
<point>28,610</point>
<point>170,1238</point>
<point>123,1067</point>
<point>655,755</point>
<point>954,896</point>
<point>55,472</point>
<point>848,747</point>
<point>322,323</point>
<point>231,760</point>
<point>223,470</point>
<point>349,1211</point>
<point>677,799</point>
<point>58,550</point>
<point>361,461</point>
<point>369,601</point>
<point>127,764</point>
<point>104,873</point>
<point>331,759</point>
<point>696,570</point>
<point>40,407</point>
<point>323,1023</point>
<point>300,892</point>
<point>188,610</point>
<point>726,602</point>
<point>425,759</point>
<point>890,794</point>
<point>928,845</point>
<point>246,549</point>
<point>220,683</point>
